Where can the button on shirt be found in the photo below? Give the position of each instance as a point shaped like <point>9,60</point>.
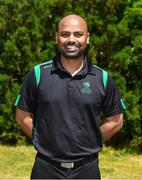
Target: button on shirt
<point>66,109</point>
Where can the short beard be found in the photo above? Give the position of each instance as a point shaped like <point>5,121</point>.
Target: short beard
<point>67,56</point>
<point>72,56</point>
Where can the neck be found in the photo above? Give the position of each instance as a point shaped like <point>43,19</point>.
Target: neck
<point>71,65</point>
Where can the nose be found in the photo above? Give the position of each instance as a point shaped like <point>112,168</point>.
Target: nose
<point>71,38</point>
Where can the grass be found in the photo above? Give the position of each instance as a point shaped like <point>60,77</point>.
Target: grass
<point>120,165</point>
<point>16,163</point>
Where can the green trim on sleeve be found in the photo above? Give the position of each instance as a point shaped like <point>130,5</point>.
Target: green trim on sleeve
<point>123,104</point>
<point>105,76</point>
<point>17,100</point>
<point>37,74</point>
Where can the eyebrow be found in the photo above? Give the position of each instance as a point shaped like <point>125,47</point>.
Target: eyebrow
<point>68,32</point>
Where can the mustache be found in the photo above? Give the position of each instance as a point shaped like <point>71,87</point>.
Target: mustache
<point>76,43</point>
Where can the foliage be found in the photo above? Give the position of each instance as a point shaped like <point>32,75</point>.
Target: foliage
<point>27,37</point>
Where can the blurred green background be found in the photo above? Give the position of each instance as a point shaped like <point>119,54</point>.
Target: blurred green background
<point>27,37</point>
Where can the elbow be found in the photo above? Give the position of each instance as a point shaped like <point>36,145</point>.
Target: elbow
<point>18,120</point>
<point>122,123</point>
<point>18,116</point>
<point>119,124</point>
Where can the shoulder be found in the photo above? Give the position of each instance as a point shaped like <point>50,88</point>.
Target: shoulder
<point>42,67</point>
<point>101,73</point>
<point>46,64</point>
<point>98,70</point>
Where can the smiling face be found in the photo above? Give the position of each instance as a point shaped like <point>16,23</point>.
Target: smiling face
<point>72,36</point>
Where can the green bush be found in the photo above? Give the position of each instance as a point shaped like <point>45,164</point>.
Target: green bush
<point>27,37</point>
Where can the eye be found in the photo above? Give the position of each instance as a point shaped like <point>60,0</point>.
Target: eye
<point>64,34</point>
<point>78,34</point>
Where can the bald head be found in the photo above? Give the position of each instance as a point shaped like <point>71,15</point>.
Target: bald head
<point>73,20</point>
<point>72,37</point>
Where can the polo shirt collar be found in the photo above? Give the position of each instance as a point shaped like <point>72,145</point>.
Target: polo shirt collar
<point>86,69</point>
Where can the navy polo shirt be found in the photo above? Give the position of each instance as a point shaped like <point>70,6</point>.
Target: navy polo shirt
<point>66,110</point>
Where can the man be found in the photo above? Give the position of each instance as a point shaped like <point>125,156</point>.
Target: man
<point>59,106</point>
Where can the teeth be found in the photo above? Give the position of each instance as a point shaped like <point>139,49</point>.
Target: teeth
<point>71,46</point>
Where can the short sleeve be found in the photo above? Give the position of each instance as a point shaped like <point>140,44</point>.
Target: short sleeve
<point>112,102</point>
<point>26,98</point>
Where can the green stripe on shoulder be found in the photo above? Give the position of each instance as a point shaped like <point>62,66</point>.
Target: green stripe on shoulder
<point>37,70</point>
<point>105,76</point>
<point>17,100</point>
<point>47,63</point>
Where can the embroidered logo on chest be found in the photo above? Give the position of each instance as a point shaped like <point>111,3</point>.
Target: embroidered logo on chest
<point>86,88</point>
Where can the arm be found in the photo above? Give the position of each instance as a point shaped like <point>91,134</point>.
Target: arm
<point>111,126</point>
<point>24,119</point>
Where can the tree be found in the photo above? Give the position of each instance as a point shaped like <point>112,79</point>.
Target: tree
<point>27,37</point>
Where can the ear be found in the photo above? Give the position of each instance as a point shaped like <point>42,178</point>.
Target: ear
<point>88,37</point>
<point>56,38</point>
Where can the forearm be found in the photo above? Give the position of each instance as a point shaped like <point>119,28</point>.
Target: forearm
<point>111,126</point>
<point>26,126</point>
<point>25,121</point>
